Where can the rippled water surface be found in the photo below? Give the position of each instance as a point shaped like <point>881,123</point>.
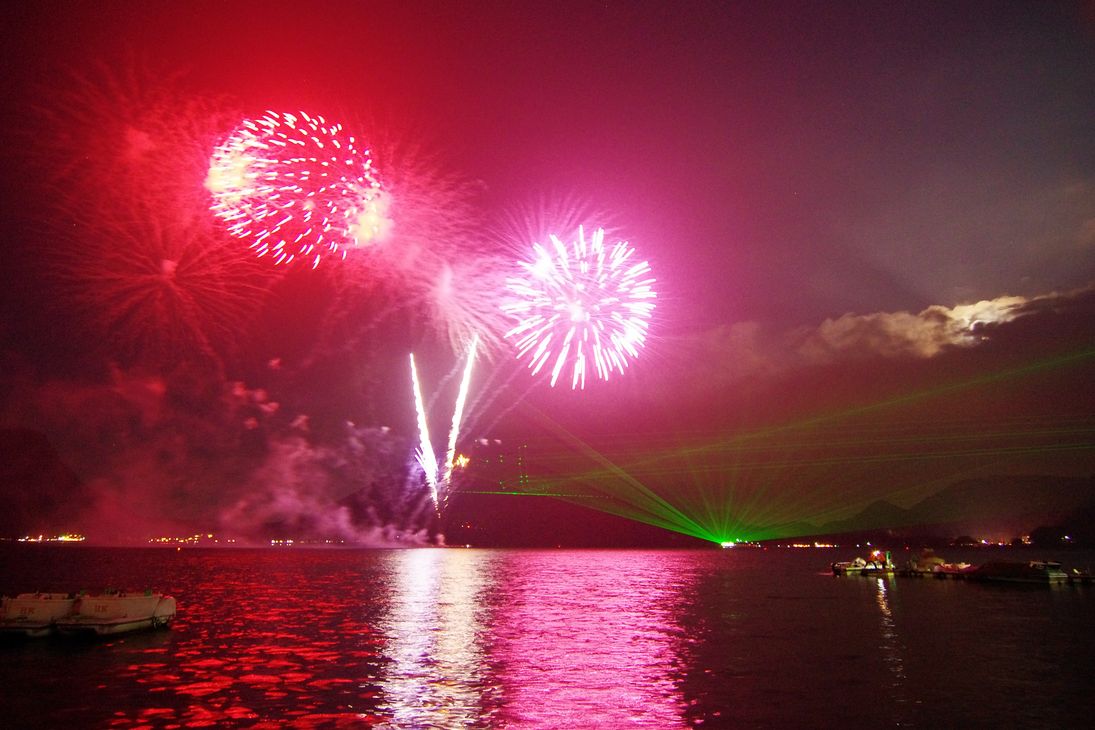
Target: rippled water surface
<point>452,638</point>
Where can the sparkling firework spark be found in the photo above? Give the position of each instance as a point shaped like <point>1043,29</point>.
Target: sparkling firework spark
<point>439,476</point>
<point>431,269</point>
<point>426,457</point>
<point>461,304</point>
<point>580,303</point>
<point>458,413</point>
<point>295,185</point>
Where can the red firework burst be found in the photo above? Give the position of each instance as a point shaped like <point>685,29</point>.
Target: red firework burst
<point>158,292</point>
<point>294,185</point>
<point>114,135</point>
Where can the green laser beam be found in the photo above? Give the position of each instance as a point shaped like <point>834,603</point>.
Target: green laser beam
<point>702,517</point>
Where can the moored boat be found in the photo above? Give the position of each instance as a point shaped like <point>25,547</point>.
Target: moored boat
<point>1080,577</point>
<point>34,614</point>
<point>1044,572</point>
<point>928,564</point>
<point>924,563</point>
<point>116,613</point>
<point>878,563</point>
<point>947,570</point>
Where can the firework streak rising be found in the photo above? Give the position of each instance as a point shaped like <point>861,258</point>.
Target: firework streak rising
<point>294,186</point>
<point>579,303</point>
<point>458,413</point>
<point>426,457</point>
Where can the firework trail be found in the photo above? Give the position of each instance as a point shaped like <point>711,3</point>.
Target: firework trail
<point>439,476</point>
<point>426,457</point>
<point>122,150</point>
<point>121,132</point>
<point>458,414</point>
<point>433,208</point>
<point>156,291</point>
<point>294,185</point>
<point>429,273</point>
<point>578,304</point>
<point>436,259</point>
<point>462,304</point>
<point>538,219</point>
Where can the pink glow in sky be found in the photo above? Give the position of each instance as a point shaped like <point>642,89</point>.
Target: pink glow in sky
<point>844,206</point>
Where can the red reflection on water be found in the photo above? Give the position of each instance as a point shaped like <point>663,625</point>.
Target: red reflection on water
<point>208,687</point>
<point>405,638</point>
<point>260,648</point>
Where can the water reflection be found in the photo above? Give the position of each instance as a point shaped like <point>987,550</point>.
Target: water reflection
<point>275,639</point>
<point>586,640</point>
<point>434,640</point>
<point>528,639</point>
<point>891,646</point>
<point>400,639</point>
<point>475,639</point>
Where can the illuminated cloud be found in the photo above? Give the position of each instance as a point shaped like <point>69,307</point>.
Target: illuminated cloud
<point>750,350</point>
<point>903,334</point>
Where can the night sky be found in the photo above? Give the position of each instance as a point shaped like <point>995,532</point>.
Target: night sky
<point>872,228</point>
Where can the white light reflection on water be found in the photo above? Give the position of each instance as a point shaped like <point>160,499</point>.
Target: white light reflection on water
<point>433,640</point>
<point>892,648</point>
<point>532,640</point>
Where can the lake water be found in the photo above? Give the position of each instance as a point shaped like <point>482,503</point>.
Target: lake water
<point>451,638</point>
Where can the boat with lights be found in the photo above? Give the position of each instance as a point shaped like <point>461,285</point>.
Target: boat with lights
<point>928,564</point>
<point>877,563</point>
